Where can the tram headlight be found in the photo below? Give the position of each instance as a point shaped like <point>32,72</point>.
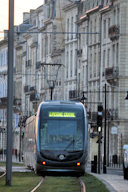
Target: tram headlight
<point>78,163</point>
<point>44,163</point>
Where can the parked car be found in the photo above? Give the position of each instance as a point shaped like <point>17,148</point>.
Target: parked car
<point>125,161</point>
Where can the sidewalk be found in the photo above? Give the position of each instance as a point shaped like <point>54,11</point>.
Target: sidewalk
<point>14,159</point>
<point>114,182</point>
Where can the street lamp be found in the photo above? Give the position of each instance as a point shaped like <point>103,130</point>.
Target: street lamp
<point>83,98</point>
<point>51,86</point>
<point>104,161</point>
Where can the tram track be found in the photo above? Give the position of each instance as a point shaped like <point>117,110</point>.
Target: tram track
<point>82,184</point>
<point>38,185</point>
<point>4,173</point>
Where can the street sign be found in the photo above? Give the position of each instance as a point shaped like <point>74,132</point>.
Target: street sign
<point>114,130</point>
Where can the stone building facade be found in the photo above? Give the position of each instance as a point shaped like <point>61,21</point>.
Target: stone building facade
<point>107,67</point>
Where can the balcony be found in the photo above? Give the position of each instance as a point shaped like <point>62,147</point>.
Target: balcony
<point>29,90</point>
<point>32,89</point>
<point>114,32</point>
<point>16,101</point>
<point>112,74</point>
<point>34,97</point>
<point>3,102</point>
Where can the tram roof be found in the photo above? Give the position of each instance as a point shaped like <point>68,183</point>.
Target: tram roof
<point>62,102</point>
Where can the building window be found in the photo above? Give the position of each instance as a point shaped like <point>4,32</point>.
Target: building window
<point>48,11</point>
<point>83,80</point>
<point>83,38</point>
<point>90,65</point>
<point>94,68</point>
<point>95,31</point>
<point>117,54</point>
<point>67,29</point>
<point>104,57</point>
<point>50,44</point>
<point>79,78</point>
<point>71,64</point>
<point>42,48</point>
<point>114,17</point>
<point>46,45</point>
<point>93,3</point>
<point>90,32</point>
<point>108,24</point>
<point>108,57</point>
<point>113,55</point>
<point>72,28</point>
<point>67,65</point>
<point>76,26</point>
<point>104,29</point>
<point>118,16</point>
<point>75,61</point>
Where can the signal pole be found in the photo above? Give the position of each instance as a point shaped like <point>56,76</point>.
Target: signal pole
<point>10,94</point>
<point>104,162</point>
<point>99,126</point>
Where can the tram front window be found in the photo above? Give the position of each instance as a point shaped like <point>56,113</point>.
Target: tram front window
<point>61,135</point>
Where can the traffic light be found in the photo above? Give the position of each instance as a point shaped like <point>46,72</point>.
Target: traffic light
<point>99,139</point>
<point>99,115</point>
<point>22,121</point>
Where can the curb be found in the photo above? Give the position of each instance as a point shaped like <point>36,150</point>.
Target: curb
<point>108,186</point>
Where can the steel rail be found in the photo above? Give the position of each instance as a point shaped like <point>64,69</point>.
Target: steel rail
<point>3,173</point>
<point>38,185</point>
<point>83,188</point>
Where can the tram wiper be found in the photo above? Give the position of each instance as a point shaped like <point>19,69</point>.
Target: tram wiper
<point>71,142</point>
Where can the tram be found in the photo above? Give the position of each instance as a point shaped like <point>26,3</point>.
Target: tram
<point>55,139</point>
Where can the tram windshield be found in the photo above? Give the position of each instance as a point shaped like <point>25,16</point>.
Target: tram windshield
<point>61,131</point>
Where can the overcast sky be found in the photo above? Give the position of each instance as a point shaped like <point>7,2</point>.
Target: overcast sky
<point>20,7</point>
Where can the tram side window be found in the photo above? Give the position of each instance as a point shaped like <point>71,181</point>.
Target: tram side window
<point>43,133</point>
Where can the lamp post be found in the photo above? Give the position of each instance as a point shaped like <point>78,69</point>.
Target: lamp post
<point>99,127</point>
<point>104,161</point>
<point>10,94</point>
<point>83,98</point>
